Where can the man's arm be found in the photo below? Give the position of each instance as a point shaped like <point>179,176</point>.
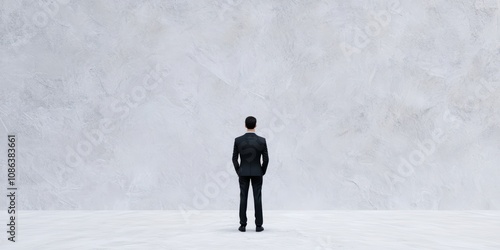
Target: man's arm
<point>235,157</point>
<point>265,158</point>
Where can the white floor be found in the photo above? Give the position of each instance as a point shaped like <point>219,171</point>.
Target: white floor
<point>311,230</point>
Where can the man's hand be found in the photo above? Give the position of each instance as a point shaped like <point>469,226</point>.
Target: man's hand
<point>235,158</point>
<point>265,158</point>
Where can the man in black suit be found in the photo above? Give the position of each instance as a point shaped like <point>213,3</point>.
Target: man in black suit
<point>250,147</point>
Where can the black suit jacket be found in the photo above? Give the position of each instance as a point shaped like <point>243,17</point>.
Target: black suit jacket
<point>250,147</point>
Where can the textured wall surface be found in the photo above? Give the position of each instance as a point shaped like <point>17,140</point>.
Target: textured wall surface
<point>364,104</point>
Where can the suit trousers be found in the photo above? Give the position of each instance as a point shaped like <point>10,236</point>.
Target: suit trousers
<point>257,198</point>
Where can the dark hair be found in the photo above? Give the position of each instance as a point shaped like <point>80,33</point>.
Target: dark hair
<point>250,122</point>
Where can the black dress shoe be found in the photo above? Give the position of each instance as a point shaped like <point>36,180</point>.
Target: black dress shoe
<point>242,228</point>
<point>259,229</point>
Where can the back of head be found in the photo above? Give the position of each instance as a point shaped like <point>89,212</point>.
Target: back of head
<point>250,122</point>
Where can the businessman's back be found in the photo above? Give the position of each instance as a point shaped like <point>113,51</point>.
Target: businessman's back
<point>250,147</point>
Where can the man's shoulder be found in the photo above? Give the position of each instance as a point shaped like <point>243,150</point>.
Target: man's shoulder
<point>250,134</point>
<point>259,138</point>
